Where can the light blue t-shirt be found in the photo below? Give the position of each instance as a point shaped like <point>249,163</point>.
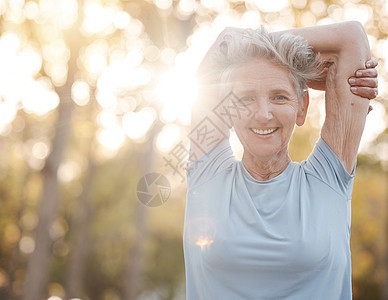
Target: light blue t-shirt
<point>285,238</point>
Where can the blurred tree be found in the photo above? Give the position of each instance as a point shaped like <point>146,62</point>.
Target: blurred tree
<point>133,280</point>
<point>37,275</point>
<point>114,56</point>
<point>82,216</point>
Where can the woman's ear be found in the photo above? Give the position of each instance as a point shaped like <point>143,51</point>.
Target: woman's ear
<point>302,111</point>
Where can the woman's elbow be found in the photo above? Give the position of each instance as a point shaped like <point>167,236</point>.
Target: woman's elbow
<point>355,38</point>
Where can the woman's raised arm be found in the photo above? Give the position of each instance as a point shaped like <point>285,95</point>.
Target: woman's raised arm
<point>344,48</point>
<point>209,119</point>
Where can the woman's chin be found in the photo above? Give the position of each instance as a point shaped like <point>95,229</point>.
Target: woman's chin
<point>265,152</point>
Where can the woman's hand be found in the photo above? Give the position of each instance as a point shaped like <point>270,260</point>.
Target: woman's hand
<point>207,68</point>
<point>365,83</point>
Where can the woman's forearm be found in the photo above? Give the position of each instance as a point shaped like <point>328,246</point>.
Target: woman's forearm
<point>331,40</point>
<point>346,40</point>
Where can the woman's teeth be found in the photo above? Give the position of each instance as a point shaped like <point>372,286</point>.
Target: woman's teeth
<point>263,131</point>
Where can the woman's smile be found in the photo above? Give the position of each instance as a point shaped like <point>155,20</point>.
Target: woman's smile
<point>264,132</point>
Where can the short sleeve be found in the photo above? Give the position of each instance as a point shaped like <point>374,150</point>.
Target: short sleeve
<point>219,158</point>
<point>324,164</point>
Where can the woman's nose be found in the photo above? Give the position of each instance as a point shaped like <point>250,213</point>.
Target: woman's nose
<point>262,111</point>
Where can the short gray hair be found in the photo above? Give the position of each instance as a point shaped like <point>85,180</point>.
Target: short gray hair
<point>284,49</point>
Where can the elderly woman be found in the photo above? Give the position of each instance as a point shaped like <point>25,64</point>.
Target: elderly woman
<point>266,227</point>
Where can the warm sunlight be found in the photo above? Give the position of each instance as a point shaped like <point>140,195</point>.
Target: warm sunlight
<point>271,6</point>
<point>136,124</point>
<point>374,125</point>
<point>200,231</point>
<point>177,91</point>
<point>361,13</point>
<point>20,66</point>
<point>111,138</point>
<point>39,97</point>
<point>97,17</point>
<point>204,241</point>
<point>168,137</point>
<point>80,93</point>
<point>96,99</point>
<point>62,13</point>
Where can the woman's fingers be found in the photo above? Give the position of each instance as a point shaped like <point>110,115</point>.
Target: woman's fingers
<point>367,73</point>
<point>364,82</point>
<point>206,67</point>
<point>365,92</point>
<point>372,63</point>
<point>366,77</point>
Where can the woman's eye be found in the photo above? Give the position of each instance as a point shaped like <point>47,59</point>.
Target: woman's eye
<point>281,98</point>
<point>245,100</point>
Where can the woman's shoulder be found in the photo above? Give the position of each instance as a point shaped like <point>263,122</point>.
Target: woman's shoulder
<point>324,165</point>
<point>219,159</point>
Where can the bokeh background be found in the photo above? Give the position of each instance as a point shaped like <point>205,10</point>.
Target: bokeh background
<point>95,94</point>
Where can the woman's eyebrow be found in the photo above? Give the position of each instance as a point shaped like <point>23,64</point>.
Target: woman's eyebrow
<point>281,91</point>
<point>247,90</point>
<point>244,90</point>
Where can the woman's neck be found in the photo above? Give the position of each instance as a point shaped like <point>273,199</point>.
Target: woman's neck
<point>264,169</point>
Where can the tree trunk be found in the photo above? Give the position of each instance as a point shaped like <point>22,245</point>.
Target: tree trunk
<point>81,245</point>
<point>37,271</point>
<point>38,265</point>
<point>76,270</point>
<point>134,276</point>
<point>134,272</point>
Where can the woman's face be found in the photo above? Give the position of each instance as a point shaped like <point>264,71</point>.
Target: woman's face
<point>269,108</point>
